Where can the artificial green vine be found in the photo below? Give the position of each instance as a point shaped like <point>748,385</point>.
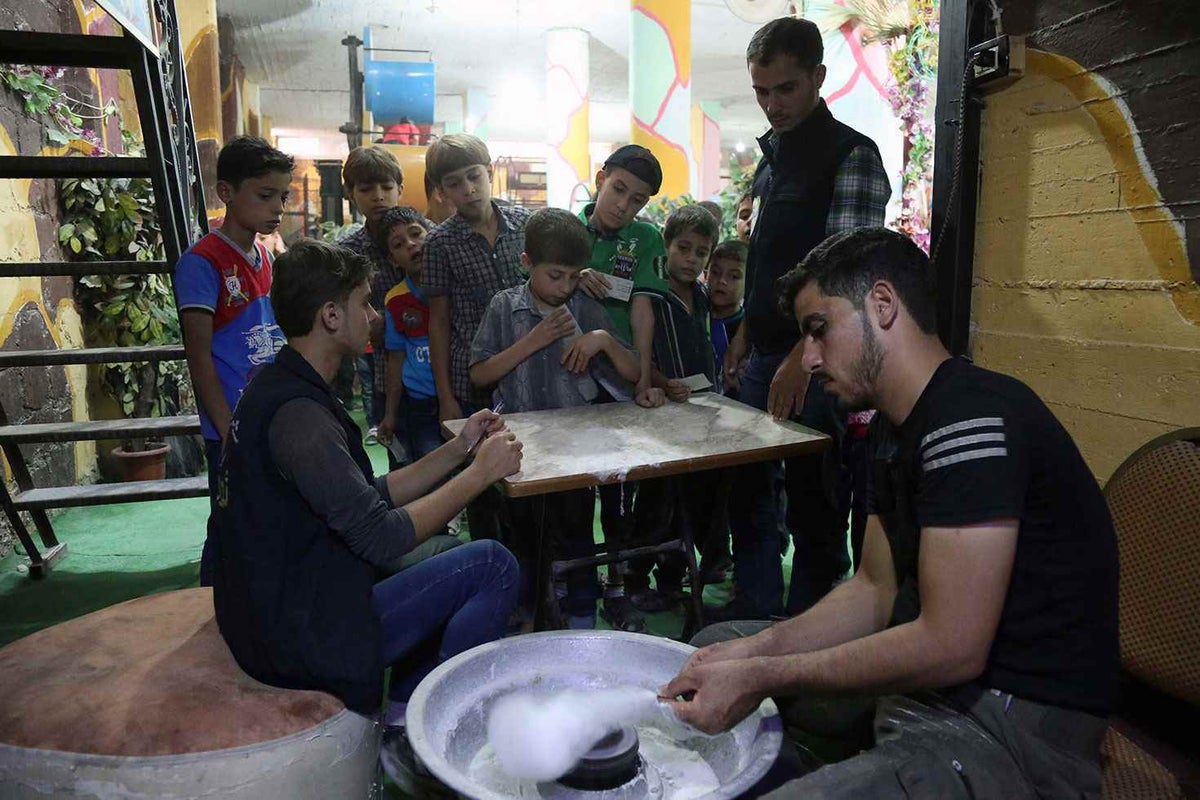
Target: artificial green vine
<point>108,220</point>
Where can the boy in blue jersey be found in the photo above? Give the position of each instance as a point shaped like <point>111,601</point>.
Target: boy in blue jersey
<point>411,409</point>
<point>726,282</point>
<point>222,290</point>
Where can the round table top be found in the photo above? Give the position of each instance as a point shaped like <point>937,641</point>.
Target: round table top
<point>148,677</point>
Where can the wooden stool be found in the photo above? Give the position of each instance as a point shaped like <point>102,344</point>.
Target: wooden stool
<point>144,699</point>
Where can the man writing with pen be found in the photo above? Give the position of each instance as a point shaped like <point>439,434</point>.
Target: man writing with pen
<point>544,345</point>
<point>305,529</point>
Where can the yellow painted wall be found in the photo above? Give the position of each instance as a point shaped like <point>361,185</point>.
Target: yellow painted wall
<point>19,242</point>
<point>1082,285</point>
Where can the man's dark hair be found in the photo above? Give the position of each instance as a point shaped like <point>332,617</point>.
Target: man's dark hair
<point>692,218</point>
<point>398,215</point>
<point>555,236</point>
<point>732,249</point>
<point>245,157</point>
<point>849,263</point>
<point>787,36</point>
<point>308,276</point>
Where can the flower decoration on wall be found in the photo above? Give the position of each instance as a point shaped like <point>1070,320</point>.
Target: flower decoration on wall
<point>908,29</point>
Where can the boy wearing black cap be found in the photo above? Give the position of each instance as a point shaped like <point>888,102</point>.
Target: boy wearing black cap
<point>626,268</point>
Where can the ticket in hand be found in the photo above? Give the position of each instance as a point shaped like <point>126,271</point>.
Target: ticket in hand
<point>619,288</point>
<point>697,382</point>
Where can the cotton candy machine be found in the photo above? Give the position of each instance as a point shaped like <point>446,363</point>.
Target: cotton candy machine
<point>447,722</point>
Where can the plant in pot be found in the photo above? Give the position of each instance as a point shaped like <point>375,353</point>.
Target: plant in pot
<point>114,219</point>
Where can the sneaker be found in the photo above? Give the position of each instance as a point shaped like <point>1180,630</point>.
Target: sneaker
<point>372,435</point>
<point>654,601</point>
<point>736,609</point>
<point>620,614</point>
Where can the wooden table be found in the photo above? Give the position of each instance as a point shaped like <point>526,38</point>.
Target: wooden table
<point>573,448</point>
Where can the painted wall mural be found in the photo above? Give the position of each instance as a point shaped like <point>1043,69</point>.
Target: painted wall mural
<point>1087,234</point>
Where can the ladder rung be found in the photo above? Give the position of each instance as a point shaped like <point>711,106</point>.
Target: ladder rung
<point>95,430</point>
<point>101,494</point>
<point>65,50</point>
<point>74,167</point>
<point>90,355</point>
<point>77,269</point>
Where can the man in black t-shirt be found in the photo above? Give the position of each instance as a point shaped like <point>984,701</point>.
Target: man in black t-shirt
<point>984,616</point>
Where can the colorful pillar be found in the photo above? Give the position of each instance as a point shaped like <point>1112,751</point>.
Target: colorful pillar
<point>568,163</point>
<point>660,87</point>
<point>706,149</point>
<point>476,120</point>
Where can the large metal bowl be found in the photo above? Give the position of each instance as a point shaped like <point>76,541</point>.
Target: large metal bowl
<point>447,715</point>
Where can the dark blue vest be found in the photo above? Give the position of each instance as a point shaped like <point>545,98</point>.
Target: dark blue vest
<point>292,601</point>
<point>794,188</point>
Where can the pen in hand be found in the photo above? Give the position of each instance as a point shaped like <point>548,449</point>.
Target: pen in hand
<point>496,409</point>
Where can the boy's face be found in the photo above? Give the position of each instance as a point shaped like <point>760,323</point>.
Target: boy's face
<point>744,211</point>
<point>620,195</point>
<point>406,247</point>
<point>552,284</point>
<point>359,315</point>
<point>726,282</point>
<point>686,256</point>
<point>372,199</point>
<point>469,190</point>
<point>257,203</point>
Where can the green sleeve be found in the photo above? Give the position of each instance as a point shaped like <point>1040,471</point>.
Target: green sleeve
<point>650,272</point>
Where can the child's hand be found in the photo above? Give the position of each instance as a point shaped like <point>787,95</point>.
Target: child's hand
<point>387,427</point>
<point>583,349</point>
<point>677,390</point>
<point>650,397</point>
<point>554,327</point>
<point>594,283</point>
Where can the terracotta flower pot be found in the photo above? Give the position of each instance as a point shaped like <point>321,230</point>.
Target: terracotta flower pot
<point>145,465</point>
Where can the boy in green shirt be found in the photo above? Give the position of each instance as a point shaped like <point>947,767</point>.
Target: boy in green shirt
<point>625,271</point>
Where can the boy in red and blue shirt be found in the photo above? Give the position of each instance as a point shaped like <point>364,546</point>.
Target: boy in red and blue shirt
<point>222,290</point>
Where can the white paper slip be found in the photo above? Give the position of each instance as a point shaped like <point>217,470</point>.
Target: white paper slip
<point>619,288</point>
<point>398,450</point>
<point>697,382</point>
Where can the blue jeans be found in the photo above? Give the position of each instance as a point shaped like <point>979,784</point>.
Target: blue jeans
<point>372,402</point>
<point>443,606</point>
<point>421,431</point>
<point>814,514</point>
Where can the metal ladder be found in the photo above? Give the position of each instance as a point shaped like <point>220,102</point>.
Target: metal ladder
<point>170,144</point>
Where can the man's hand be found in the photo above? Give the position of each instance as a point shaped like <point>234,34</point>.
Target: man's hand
<point>448,408</point>
<point>788,387</point>
<point>594,283</point>
<point>583,350</point>
<point>650,397</point>
<point>482,423</point>
<point>723,651</point>
<point>717,695</point>
<point>560,323</point>
<point>677,390</point>
<point>385,429</point>
<point>498,456</point>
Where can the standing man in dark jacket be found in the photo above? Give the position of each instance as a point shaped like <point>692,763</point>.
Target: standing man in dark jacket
<point>305,527</point>
<point>816,177</point>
